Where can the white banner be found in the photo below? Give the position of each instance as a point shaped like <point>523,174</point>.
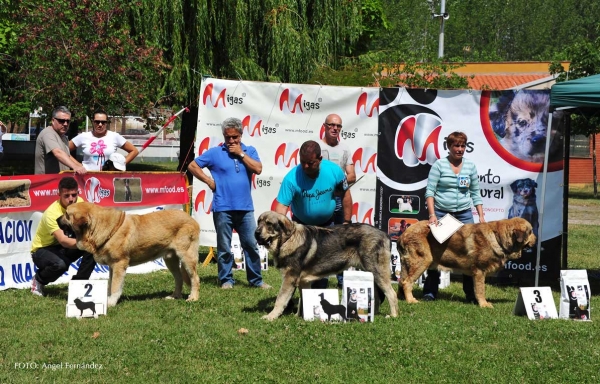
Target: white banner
<point>277,119</point>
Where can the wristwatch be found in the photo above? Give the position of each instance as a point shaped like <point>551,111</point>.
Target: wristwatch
<point>242,155</point>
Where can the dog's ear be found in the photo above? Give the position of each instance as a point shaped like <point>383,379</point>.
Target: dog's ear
<point>519,236</point>
<point>514,185</point>
<point>534,183</point>
<point>287,225</point>
<point>498,113</point>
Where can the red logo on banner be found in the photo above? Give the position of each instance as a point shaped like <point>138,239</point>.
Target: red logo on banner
<point>203,202</point>
<point>252,124</point>
<point>417,138</point>
<point>362,212</point>
<point>286,154</point>
<point>214,95</point>
<point>93,191</point>
<point>365,159</point>
<point>367,104</point>
<point>290,101</point>
<point>207,143</point>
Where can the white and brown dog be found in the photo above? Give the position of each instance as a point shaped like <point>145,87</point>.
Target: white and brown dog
<point>520,120</point>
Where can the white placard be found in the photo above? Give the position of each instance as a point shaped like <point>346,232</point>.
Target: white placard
<point>446,227</point>
<point>325,308</point>
<point>536,302</point>
<point>87,298</point>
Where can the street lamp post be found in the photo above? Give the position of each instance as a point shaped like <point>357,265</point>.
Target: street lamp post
<point>443,15</point>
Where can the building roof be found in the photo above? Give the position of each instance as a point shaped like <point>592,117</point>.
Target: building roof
<point>509,75</point>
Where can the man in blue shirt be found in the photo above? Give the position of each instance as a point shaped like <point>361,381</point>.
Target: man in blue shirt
<point>231,165</point>
<point>310,190</point>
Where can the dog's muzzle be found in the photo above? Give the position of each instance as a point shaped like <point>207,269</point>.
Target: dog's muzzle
<point>260,240</point>
<point>68,231</point>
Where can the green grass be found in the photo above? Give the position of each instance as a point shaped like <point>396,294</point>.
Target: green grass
<point>146,339</point>
<point>149,339</point>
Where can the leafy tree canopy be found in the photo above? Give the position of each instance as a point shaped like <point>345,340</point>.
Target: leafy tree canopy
<point>81,54</point>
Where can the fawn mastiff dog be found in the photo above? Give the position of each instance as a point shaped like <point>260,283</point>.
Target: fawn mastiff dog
<point>119,240</point>
<point>475,249</point>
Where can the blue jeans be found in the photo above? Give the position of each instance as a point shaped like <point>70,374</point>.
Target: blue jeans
<point>432,282</point>
<point>245,225</point>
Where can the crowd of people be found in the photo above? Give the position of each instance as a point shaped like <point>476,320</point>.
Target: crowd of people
<point>315,192</point>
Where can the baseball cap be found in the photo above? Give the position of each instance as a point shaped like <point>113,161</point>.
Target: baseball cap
<point>118,161</point>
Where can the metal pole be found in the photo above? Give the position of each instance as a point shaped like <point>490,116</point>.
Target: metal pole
<point>443,20</point>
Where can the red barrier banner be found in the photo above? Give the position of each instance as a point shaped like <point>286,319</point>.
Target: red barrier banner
<point>24,193</point>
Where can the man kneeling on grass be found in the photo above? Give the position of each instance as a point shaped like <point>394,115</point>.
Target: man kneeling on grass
<point>52,250</point>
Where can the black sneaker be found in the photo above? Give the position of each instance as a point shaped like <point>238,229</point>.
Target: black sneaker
<point>428,297</point>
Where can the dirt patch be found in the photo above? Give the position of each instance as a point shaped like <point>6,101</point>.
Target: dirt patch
<point>586,215</point>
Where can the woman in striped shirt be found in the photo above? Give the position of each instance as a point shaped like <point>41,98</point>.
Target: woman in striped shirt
<point>452,185</point>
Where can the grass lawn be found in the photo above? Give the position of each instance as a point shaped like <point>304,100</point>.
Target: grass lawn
<point>147,339</point>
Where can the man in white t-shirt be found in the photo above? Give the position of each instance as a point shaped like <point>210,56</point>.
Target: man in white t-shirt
<point>339,153</point>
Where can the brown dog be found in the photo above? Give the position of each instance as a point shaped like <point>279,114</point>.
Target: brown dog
<point>119,240</point>
<point>475,249</point>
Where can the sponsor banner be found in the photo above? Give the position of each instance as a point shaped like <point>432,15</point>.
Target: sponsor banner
<point>277,119</point>
<point>24,198</point>
<point>26,193</point>
<point>507,145</point>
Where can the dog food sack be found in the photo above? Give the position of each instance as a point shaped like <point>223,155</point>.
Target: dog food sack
<point>395,263</point>
<point>574,295</point>
<point>358,296</point>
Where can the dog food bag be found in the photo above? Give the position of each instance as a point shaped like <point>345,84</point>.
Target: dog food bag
<point>358,295</point>
<point>575,295</point>
<point>395,263</point>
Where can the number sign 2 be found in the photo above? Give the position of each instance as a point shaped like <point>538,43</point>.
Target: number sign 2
<point>87,298</point>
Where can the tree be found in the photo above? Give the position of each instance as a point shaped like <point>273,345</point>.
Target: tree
<point>585,61</point>
<point>81,54</point>
<point>262,40</point>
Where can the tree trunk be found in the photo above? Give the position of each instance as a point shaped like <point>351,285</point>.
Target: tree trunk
<point>594,171</point>
<point>189,123</point>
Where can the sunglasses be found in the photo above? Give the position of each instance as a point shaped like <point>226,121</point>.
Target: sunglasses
<point>63,121</point>
<point>332,125</point>
<point>101,122</point>
<point>70,195</point>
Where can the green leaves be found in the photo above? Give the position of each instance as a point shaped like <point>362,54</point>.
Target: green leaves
<point>83,55</point>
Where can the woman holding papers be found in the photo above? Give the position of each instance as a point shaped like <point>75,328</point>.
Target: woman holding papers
<point>452,185</point>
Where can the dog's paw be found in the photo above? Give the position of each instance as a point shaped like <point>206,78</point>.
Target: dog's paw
<point>192,298</point>
<point>485,304</point>
<point>268,317</point>
<point>412,301</point>
<point>170,297</point>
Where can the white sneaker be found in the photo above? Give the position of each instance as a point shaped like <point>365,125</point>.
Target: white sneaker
<point>37,288</point>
